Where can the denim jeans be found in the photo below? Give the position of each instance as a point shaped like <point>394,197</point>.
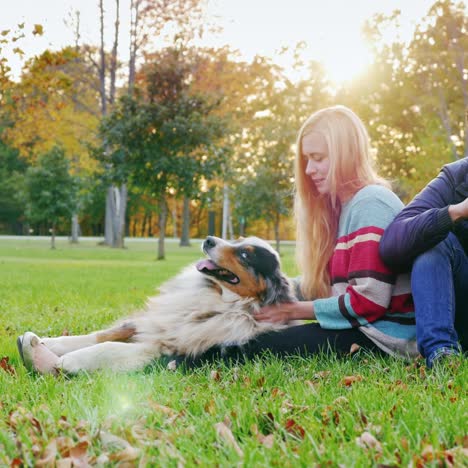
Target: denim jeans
<point>439,281</point>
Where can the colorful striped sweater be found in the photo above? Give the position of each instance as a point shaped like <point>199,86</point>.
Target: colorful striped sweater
<point>365,293</point>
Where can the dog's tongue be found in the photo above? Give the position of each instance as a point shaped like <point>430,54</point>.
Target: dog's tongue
<point>206,264</point>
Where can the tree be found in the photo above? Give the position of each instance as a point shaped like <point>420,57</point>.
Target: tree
<point>50,190</point>
<point>164,135</point>
<point>12,170</point>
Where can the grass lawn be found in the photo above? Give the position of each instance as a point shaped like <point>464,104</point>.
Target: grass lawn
<point>360,411</point>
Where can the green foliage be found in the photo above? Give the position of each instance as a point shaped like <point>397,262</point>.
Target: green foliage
<point>165,136</point>
<point>12,170</point>
<point>50,190</point>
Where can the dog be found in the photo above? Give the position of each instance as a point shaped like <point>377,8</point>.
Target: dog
<point>210,303</point>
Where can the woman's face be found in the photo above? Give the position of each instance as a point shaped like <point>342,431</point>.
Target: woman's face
<point>315,152</point>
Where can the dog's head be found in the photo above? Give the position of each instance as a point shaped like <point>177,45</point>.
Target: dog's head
<point>248,267</point>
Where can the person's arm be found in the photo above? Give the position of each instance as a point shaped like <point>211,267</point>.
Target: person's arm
<point>422,224</point>
<point>283,313</point>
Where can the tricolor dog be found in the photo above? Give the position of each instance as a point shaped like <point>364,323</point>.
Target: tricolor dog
<point>212,302</point>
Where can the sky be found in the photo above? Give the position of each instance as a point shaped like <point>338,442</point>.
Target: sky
<point>331,29</point>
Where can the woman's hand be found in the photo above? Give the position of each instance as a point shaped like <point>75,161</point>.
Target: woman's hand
<point>285,312</point>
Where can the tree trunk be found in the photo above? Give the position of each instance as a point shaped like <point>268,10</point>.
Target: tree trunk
<point>75,231</point>
<point>174,218</point>
<point>277,233</point>
<point>226,210</point>
<point>52,239</point>
<point>119,220</point>
<point>185,235</point>
<point>162,228</point>
<point>102,62</point>
<point>108,229</point>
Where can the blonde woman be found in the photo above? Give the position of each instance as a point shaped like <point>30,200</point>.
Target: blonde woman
<point>342,209</point>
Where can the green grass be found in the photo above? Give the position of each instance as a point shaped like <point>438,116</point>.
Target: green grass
<point>167,418</point>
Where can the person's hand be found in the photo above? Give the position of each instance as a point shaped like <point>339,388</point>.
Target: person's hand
<point>459,211</point>
<point>284,313</point>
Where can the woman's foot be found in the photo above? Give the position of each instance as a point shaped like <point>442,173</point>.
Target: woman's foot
<point>35,355</point>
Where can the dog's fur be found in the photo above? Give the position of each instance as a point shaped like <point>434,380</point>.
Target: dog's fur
<point>210,303</point>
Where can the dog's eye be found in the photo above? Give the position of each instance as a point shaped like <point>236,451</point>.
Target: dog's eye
<point>245,255</point>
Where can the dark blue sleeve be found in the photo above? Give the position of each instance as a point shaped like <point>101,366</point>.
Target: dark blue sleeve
<point>421,225</point>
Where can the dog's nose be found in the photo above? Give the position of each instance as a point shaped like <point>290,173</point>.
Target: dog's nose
<point>209,243</point>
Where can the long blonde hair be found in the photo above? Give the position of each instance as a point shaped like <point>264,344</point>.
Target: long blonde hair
<point>317,215</point>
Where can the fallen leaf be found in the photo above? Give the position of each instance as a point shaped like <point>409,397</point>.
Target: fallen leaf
<point>64,444</point>
<point>49,455</point>
<point>276,392</point>
<point>350,380</point>
<point>225,433</point>
<point>367,441</point>
<point>65,463</point>
<point>126,455</point>
<point>4,364</point>
<point>125,451</point>
<point>295,429</point>
<point>354,348</point>
<point>162,409</point>
<point>79,454</point>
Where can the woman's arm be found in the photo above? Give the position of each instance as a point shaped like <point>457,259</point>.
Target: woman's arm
<point>283,313</point>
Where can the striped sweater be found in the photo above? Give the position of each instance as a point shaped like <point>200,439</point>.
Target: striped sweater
<point>365,293</point>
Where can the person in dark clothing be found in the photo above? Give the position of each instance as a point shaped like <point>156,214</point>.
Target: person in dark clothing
<point>430,236</point>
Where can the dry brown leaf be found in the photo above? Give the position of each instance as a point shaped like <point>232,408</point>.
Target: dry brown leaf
<point>78,454</point>
<point>48,457</point>
<point>128,454</point>
<point>64,463</point>
<point>367,441</point>
<point>354,348</point>
<point>6,366</point>
<point>277,392</point>
<point>225,433</point>
<point>350,380</point>
<point>162,408</point>
<point>455,456</point>
<point>295,429</point>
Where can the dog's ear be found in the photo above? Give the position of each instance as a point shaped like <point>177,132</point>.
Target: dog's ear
<point>278,289</point>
